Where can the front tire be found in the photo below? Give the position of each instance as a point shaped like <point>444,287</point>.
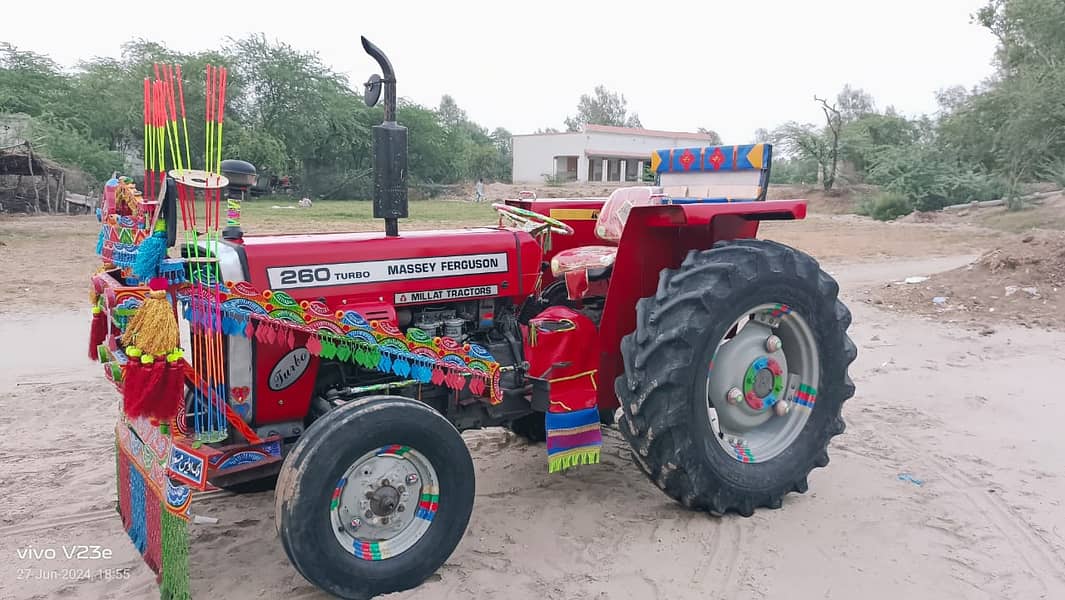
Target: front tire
<point>374,497</point>
<point>701,416</point>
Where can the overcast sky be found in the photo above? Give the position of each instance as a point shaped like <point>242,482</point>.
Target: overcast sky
<point>729,66</point>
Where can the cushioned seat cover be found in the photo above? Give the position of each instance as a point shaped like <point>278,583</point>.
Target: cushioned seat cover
<point>608,227</point>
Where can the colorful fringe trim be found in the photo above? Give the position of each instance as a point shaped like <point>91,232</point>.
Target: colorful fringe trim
<point>573,438</point>
<point>159,535</point>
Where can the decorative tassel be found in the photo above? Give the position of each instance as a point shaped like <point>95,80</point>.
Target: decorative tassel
<point>150,255</point>
<point>169,395</point>
<point>152,384</point>
<point>98,332</point>
<point>134,374</point>
<point>573,438</point>
<point>151,334</point>
<point>477,385</point>
<point>175,551</point>
<point>100,241</point>
<point>165,388</point>
<point>153,328</point>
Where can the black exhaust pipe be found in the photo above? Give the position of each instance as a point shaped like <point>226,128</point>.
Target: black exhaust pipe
<point>389,146</point>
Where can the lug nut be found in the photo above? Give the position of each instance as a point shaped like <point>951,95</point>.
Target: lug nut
<point>401,508</point>
<point>773,343</point>
<point>412,479</point>
<point>384,520</point>
<point>734,396</point>
<point>781,408</point>
<point>384,483</point>
<point>401,490</point>
<point>356,523</point>
<point>369,514</point>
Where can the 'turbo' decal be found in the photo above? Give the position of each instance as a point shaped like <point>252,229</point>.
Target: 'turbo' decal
<point>288,369</point>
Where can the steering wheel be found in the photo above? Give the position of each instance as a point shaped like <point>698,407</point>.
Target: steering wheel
<point>523,216</point>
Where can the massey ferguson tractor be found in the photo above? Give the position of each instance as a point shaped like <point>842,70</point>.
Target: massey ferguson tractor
<point>346,365</point>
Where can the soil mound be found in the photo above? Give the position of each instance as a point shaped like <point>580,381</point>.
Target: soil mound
<point>1022,280</point>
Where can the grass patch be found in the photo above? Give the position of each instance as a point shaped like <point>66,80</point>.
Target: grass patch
<point>260,216</point>
<point>1017,221</point>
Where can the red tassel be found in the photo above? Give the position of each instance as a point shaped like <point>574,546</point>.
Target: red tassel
<point>133,377</point>
<point>153,379</point>
<point>477,385</point>
<point>169,393</point>
<point>97,334</point>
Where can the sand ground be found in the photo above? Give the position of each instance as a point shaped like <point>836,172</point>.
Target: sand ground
<point>948,482</point>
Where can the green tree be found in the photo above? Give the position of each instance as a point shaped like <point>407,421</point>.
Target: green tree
<point>863,138</point>
<point>715,137</point>
<point>1014,125</point>
<point>808,142</point>
<point>603,108</point>
<point>451,116</point>
<point>854,103</point>
<point>30,83</point>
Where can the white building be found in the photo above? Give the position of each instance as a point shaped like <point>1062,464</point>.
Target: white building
<point>599,153</point>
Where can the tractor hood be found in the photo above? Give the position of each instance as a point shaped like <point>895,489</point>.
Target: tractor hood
<point>416,267</point>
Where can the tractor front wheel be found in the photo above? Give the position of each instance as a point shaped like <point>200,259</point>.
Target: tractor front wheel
<point>374,497</point>
<point>736,375</point>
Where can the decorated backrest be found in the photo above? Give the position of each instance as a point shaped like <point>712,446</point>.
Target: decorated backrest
<point>713,174</point>
<point>611,220</point>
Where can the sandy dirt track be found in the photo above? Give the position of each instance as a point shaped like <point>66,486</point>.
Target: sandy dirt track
<point>971,423</point>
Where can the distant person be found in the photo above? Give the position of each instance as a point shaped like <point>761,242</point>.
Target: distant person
<point>480,190</point>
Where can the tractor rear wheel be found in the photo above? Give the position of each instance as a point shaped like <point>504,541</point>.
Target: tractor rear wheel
<point>736,375</point>
<point>374,497</point>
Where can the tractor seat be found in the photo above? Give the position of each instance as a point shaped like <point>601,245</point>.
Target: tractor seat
<point>585,258</point>
<point>585,265</point>
<point>687,176</point>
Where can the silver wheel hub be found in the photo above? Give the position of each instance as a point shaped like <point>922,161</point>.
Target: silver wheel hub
<point>384,503</point>
<point>767,366</point>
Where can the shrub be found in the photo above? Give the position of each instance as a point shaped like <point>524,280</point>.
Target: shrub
<point>885,206</point>
<point>930,181</point>
<point>1054,171</point>
<point>793,171</point>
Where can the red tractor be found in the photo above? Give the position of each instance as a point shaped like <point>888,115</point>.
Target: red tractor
<point>727,355</point>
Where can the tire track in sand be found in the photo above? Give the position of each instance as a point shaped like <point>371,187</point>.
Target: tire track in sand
<point>727,537</point>
<point>1038,553</point>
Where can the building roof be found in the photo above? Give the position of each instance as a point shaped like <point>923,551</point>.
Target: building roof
<point>626,131</point>
<point>646,132</point>
<point>22,160</point>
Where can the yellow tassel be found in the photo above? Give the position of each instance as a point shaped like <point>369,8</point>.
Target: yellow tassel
<point>153,328</point>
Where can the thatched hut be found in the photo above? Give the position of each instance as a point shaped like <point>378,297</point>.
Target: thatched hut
<point>30,182</point>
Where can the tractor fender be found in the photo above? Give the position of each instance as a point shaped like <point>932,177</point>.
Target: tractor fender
<point>658,237</point>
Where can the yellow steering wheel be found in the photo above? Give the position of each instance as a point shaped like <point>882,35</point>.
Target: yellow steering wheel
<point>538,221</point>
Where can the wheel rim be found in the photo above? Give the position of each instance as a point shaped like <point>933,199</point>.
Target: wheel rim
<point>385,502</point>
<point>762,383</point>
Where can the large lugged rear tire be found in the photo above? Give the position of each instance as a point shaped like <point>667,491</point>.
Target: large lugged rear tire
<point>684,386</point>
<point>374,497</point>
